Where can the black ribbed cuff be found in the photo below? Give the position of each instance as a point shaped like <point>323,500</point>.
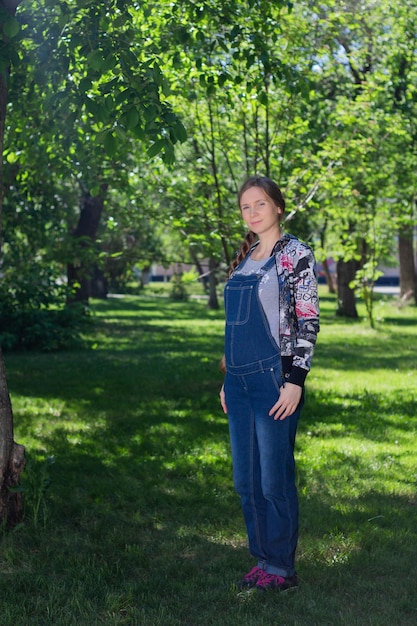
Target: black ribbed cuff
<point>292,374</point>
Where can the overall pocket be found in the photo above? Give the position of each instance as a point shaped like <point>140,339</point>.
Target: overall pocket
<point>237,301</point>
<point>277,377</point>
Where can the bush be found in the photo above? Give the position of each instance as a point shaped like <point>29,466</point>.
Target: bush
<point>42,329</point>
<point>178,288</point>
<point>33,317</point>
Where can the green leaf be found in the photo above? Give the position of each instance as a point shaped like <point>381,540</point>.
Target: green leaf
<point>132,118</point>
<point>121,20</point>
<point>222,78</point>
<point>95,60</point>
<point>97,109</point>
<point>168,156</point>
<point>109,86</point>
<point>263,98</point>
<point>138,132</point>
<point>179,131</point>
<point>150,113</point>
<point>110,143</point>
<point>85,84</point>
<point>156,147</point>
<point>108,63</point>
<point>157,74</point>
<point>234,32</point>
<point>109,103</point>
<point>12,157</point>
<point>11,27</point>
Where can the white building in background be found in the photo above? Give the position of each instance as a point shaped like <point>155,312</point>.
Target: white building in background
<point>159,273</point>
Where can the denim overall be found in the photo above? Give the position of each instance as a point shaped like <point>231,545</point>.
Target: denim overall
<point>262,448</point>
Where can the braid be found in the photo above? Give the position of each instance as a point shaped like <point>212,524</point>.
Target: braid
<point>247,243</point>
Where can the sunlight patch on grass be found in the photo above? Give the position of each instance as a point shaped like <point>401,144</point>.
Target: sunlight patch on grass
<point>378,379</point>
<point>142,489</point>
<point>340,468</point>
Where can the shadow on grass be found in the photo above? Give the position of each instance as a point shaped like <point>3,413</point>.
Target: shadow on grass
<point>370,415</point>
<point>366,354</point>
<point>145,502</point>
<point>142,523</point>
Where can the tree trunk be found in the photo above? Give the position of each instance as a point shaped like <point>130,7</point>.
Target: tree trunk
<point>12,459</point>
<point>200,270</point>
<point>329,278</point>
<point>213,302</point>
<point>98,284</point>
<point>12,455</point>
<point>408,279</point>
<point>346,271</point>
<point>81,271</point>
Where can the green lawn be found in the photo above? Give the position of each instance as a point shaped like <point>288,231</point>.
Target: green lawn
<point>131,517</point>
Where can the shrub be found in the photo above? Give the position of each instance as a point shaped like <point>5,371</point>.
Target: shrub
<point>33,317</point>
<point>178,288</point>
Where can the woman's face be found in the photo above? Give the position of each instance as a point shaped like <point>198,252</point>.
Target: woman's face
<point>259,211</point>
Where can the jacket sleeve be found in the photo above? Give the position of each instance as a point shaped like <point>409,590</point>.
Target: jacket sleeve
<point>307,311</point>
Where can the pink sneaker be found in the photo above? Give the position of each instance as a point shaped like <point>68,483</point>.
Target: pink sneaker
<point>268,582</point>
<point>251,578</point>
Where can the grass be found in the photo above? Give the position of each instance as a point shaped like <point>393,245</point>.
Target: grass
<point>131,517</point>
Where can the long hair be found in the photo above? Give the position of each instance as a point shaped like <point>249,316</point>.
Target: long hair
<point>274,192</point>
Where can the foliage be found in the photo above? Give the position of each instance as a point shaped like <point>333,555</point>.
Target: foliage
<point>178,290</point>
<point>141,494</point>
<point>85,93</point>
<point>308,102</point>
<point>89,64</point>
<point>129,238</point>
<point>367,77</point>
<point>240,96</point>
<point>37,481</point>
<point>32,316</point>
<point>321,96</point>
<point>179,283</point>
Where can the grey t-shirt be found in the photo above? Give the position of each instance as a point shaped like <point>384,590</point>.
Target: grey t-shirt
<point>268,292</point>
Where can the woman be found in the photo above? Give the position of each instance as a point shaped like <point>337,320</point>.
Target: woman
<point>272,321</point>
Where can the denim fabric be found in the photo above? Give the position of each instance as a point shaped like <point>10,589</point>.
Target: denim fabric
<point>262,448</point>
<point>249,345</point>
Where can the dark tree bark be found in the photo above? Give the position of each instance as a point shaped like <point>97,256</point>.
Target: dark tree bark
<point>200,270</point>
<point>346,271</point>
<point>12,455</point>
<point>80,272</point>
<point>213,302</point>
<point>12,459</point>
<point>408,279</point>
<point>329,278</point>
<point>98,284</point>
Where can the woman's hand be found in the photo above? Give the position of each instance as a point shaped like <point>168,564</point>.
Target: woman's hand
<point>222,399</point>
<point>288,401</point>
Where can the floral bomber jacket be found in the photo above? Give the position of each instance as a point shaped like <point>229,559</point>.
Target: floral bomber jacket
<point>298,306</point>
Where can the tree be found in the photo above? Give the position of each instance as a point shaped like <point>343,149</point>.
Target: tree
<point>365,74</point>
<point>93,90</point>
<point>12,459</point>
<point>401,92</point>
<point>100,92</point>
<point>238,79</point>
